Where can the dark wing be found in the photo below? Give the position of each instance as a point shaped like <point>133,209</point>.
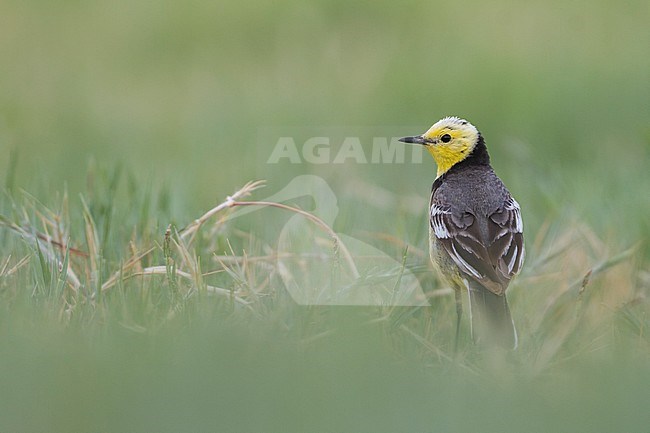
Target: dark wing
<point>489,249</point>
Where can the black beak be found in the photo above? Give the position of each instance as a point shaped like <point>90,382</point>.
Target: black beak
<point>418,139</point>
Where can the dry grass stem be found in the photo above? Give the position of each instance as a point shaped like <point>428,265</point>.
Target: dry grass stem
<point>246,190</point>
<point>30,233</point>
<point>162,270</point>
<point>133,261</point>
<point>344,251</point>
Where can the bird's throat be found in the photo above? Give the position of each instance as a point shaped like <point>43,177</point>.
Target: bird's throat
<point>446,158</point>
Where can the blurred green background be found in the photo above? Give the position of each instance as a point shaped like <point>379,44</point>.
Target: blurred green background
<point>183,96</point>
<point>560,90</point>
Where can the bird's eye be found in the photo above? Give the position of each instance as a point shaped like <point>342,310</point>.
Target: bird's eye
<point>445,138</point>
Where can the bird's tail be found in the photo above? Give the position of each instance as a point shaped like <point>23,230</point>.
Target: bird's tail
<point>492,323</point>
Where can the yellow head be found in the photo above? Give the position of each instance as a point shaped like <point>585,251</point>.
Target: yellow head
<point>449,141</point>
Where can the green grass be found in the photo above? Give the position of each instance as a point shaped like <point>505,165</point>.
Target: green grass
<point>146,328</point>
<point>121,125</point>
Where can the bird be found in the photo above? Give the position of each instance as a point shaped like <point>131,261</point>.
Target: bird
<point>476,239</point>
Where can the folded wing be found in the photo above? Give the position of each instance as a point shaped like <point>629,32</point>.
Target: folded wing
<point>487,248</point>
